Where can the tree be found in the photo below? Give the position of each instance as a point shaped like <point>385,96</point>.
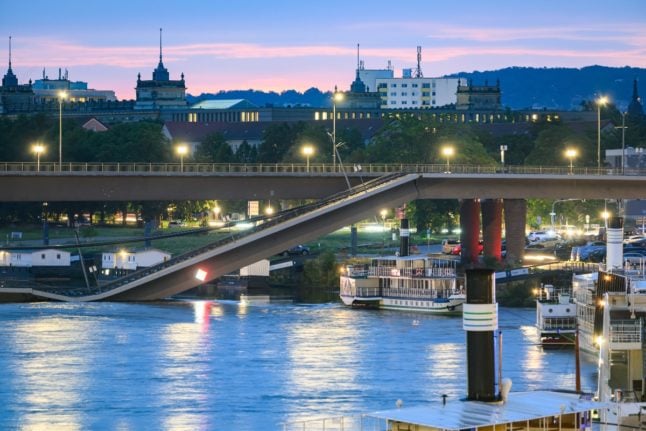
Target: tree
<point>214,148</point>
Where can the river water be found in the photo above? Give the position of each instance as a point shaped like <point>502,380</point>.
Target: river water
<point>207,365</point>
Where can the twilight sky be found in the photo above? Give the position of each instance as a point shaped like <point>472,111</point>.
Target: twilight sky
<point>295,44</point>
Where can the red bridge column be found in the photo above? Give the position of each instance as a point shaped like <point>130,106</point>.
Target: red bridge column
<point>515,221</point>
<point>492,227</point>
<point>470,227</point>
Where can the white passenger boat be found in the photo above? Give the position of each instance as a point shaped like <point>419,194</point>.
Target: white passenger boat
<point>403,282</point>
<point>555,317</point>
<point>414,283</point>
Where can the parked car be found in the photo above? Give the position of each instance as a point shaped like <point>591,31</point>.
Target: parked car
<point>177,223</point>
<point>448,245</point>
<point>458,249</point>
<point>302,250</point>
<point>542,235</point>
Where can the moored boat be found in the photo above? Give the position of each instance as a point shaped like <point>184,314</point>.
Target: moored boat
<point>404,282</point>
<point>555,317</point>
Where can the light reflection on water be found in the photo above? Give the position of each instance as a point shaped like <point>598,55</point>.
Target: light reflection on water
<point>205,365</point>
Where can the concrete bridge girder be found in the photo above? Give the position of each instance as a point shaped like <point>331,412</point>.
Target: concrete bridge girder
<point>57,187</point>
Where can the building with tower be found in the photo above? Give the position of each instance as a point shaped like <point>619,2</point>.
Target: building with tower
<point>14,97</point>
<point>478,97</point>
<point>161,92</point>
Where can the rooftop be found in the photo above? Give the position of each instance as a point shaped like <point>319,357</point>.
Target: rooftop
<point>459,415</point>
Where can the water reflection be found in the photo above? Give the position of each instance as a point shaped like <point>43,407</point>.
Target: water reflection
<point>324,359</point>
<point>182,371</point>
<point>50,370</point>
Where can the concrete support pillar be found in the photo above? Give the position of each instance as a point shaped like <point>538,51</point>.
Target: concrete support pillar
<point>492,227</point>
<point>353,240</point>
<point>515,221</point>
<point>470,226</point>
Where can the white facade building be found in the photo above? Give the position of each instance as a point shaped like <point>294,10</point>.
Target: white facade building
<point>417,93</point>
<point>27,258</point>
<point>133,259</point>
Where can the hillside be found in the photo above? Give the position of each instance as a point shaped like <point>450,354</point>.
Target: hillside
<point>522,87</point>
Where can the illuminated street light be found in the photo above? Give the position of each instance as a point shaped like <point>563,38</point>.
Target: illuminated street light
<point>62,95</point>
<point>308,150</point>
<point>269,210</point>
<point>571,153</point>
<point>448,152</point>
<point>182,150</point>
<point>336,97</point>
<point>601,101</point>
<point>38,149</point>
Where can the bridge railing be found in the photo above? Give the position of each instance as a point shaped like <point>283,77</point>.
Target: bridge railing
<point>137,168</point>
<point>260,223</point>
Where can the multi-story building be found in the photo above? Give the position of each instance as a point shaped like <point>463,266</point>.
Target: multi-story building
<point>47,90</point>
<point>417,93</point>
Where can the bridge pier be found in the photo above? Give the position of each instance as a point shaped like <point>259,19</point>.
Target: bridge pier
<point>492,228</point>
<point>470,230</point>
<point>515,221</point>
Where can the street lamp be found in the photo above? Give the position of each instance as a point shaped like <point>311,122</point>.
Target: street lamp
<point>448,152</point>
<point>182,150</point>
<point>571,153</point>
<point>62,95</point>
<point>269,210</point>
<point>601,101</point>
<point>38,149</point>
<point>308,150</point>
<point>336,97</point>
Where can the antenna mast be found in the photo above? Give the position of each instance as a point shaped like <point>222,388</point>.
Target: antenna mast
<point>160,45</point>
<point>9,52</point>
<point>418,71</point>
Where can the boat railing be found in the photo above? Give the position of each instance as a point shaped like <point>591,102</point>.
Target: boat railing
<point>384,271</point>
<point>365,292</point>
<point>626,331</point>
<point>339,423</point>
<point>562,323</point>
<point>414,293</point>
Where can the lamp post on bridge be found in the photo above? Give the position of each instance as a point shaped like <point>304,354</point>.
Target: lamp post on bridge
<point>182,150</point>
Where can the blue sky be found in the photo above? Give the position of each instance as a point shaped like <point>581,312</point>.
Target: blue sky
<point>278,45</point>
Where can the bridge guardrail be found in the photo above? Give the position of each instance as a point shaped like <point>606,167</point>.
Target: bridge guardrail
<point>137,168</point>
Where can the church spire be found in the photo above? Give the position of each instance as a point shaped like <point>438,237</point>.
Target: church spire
<point>9,80</point>
<point>161,73</point>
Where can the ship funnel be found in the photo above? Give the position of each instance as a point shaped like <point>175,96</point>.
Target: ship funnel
<point>404,234</point>
<point>614,243</point>
<point>480,320</point>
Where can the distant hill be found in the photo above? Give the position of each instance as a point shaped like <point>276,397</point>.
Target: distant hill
<point>522,87</point>
<point>561,88</point>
